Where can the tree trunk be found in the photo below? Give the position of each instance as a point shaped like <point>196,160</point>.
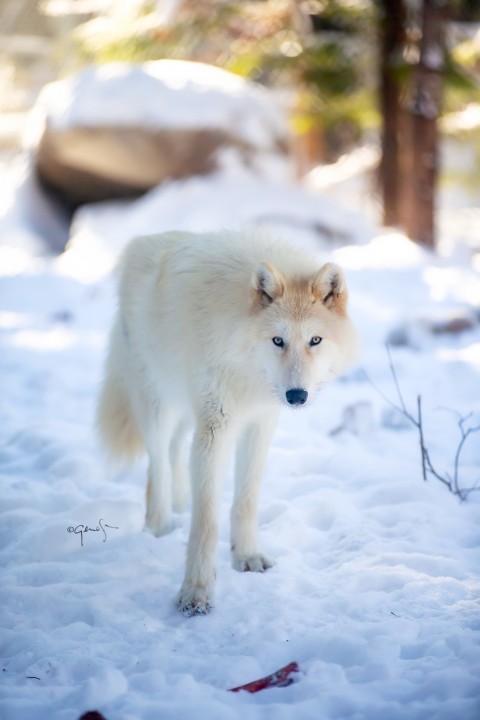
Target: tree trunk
<point>425,111</point>
<point>392,32</point>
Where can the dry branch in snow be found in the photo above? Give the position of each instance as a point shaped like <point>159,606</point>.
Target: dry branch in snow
<point>451,481</point>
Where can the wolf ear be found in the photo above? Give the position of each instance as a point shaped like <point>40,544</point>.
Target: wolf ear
<point>268,284</point>
<point>330,287</point>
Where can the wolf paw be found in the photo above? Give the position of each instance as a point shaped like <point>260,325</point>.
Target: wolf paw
<point>194,600</point>
<point>159,526</point>
<point>251,563</point>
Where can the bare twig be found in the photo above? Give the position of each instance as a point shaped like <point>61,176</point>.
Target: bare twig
<point>428,468</point>
<point>464,437</point>
<point>423,449</point>
<point>397,386</point>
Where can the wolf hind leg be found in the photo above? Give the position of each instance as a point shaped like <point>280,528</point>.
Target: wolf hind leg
<point>158,437</point>
<point>179,458</point>
<point>251,454</point>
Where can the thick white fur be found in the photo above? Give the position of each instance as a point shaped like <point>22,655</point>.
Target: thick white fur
<point>192,347</point>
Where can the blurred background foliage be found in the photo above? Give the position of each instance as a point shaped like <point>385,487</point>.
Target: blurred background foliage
<point>319,53</point>
<point>326,60</point>
<point>323,54</point>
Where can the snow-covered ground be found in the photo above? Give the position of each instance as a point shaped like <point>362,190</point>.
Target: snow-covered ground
<point>376,588</point>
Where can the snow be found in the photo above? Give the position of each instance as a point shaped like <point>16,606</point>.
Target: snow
<point>233,197</point>
<point>376,584</point>
<point>159,95</point>
<point>210,98</point>
<point>29,220</point>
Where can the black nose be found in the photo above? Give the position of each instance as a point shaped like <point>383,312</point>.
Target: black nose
<point>297,396</point>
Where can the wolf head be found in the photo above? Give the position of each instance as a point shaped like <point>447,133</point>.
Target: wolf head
<point>306,337</point>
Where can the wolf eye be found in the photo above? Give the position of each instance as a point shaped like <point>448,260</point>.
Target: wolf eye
<point>316,340</point>
<point>278,341</point>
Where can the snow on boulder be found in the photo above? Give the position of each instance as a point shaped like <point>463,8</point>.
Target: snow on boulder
<point>118,130</point>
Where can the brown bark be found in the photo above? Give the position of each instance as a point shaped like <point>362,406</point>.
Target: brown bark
<point>392,29</point>
<point>425,110</point>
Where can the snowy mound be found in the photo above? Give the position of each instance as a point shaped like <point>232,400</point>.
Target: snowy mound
<point>193,205</point>
<point>375,590</point>
<point>376,584</point>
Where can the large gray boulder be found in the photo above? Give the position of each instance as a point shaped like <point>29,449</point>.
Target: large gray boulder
<point>118,130</point>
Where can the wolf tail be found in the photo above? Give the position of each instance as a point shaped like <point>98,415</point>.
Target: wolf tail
<point>115,419</point>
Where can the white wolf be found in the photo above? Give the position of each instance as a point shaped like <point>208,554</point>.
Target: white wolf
<point>216,331</point>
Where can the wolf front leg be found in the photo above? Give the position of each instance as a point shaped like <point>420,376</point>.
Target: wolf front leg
<point>250,461</point>
<point>209,450</point>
